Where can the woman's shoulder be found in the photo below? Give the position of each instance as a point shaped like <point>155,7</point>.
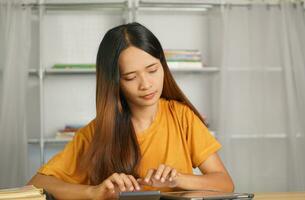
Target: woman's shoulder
<point>175,107</point>
<point>87,131</point>
<point>179,111</point>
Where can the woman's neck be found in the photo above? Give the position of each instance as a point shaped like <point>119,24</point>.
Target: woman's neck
<point>143,117</point>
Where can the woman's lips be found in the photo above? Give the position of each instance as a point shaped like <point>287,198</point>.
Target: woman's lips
<point>149,96</point>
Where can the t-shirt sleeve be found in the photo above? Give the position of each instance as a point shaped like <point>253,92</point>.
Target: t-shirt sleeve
<point>65,164</point>
<point>200,141</point>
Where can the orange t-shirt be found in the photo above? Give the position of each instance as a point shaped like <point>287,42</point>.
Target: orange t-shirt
<point>177,138</point>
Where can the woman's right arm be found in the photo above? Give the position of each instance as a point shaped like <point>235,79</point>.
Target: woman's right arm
<point>108,189</point>
<point>60,189</point>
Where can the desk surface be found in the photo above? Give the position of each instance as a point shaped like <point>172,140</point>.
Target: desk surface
<point>280,196</point>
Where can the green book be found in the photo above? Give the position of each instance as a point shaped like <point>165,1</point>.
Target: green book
<point>74,66</point>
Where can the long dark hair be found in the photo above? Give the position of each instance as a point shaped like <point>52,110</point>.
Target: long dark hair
<point>114,147</point>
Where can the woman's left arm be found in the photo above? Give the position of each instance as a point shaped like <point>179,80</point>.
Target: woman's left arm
<point>215,177</point>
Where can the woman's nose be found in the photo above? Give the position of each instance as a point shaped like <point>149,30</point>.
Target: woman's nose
<point>145,83</point>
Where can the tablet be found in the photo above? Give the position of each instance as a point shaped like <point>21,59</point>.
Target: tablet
<point>205,194</point>
<point>140,195</point>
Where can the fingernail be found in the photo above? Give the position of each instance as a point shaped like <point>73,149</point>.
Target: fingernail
<point>157,177</point>
<point>138,188</point>
<point>146,180</point>
<point>170,179</point>
<point>131,189</point>
<point>162,179</point>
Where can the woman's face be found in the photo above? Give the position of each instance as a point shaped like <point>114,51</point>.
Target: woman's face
<point>141,77</point>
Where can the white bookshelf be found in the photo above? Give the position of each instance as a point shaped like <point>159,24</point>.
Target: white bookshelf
<point>128,10</point>
<point>47,15</point>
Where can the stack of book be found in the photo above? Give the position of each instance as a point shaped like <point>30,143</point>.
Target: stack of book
<point>183,59</point>
<point>28,192</point>
<point>68,132</point>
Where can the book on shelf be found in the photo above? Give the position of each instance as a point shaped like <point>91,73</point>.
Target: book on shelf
<point>28,192</point>
<point>183,59</point>
<point>74,66</point>
<point>68,132</point>
<point>176,59</point>
<point>184,65</point>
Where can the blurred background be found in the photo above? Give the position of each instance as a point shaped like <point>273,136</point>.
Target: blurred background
<point>240,62</point>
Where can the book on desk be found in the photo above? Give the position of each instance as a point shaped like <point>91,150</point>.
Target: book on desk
<point>28,192</point>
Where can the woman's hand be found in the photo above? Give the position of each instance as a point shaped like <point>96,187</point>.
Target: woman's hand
<point>164,176</point>
<point>110,187</point>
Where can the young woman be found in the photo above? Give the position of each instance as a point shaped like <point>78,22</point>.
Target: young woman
<point>146,134</point>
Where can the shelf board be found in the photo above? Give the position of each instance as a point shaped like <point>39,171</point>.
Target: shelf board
<point>177,4</point>
<point>30,71</point>
<point>92,71</point>
<point>166,9</point>
<point>85,5</point>
<point>255,69</point>
<point>202,69</point>
<point>33,72</point>
<point>48,140</point>
<point>206,69</point>
<point>63,140</point>
<point>70,71</point>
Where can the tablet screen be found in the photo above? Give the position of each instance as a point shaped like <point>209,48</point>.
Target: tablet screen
<point>140,195</point>
<point>205,194</point>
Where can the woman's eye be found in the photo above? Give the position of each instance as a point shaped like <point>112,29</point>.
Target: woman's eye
<point>153,71</point>
<point>130,78</point>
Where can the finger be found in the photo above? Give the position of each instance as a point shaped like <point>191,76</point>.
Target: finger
<point>116,178</point>
<point>165,173</point>
<point>173,174</point>
<point>141,181</point>
<point>127,182</point>
<point>134,182</point>
<point>149,174</point>
<point>109,185</point>
<point>159,171</point>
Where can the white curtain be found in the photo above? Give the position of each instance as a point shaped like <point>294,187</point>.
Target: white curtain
<point>262,95</point>
<point>15,28</point>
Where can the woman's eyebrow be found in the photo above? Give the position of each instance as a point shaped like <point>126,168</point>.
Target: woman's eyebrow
<point>127,73</point>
